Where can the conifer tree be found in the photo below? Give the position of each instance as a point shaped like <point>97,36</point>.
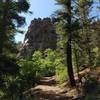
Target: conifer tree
<point>10,19</point>
<point>66,15</point>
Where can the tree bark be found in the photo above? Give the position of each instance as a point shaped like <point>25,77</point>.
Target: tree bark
<point>68,46</point>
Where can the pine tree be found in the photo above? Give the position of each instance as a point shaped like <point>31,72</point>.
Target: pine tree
<point>83,10</point>
<point>10,19</point>
<point>66,15</point>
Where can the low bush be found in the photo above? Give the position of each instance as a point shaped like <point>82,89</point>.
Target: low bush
<point>61,74</point>
<point>45,62</point>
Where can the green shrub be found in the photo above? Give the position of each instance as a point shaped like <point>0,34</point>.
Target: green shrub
<point>61,70</point>
<point>28,73</point>
<point>61,74</point>
<point>45,62</point>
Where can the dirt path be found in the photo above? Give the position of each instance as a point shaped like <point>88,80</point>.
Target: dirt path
<point>48,90</point>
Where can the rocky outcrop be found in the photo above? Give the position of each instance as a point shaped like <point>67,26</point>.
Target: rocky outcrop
<point>40,36</point>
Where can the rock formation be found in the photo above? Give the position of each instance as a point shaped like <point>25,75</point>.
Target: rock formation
<point>40,36</point>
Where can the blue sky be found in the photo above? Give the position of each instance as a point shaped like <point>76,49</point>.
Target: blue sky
<point>40,8</point>
<point>43,8</point>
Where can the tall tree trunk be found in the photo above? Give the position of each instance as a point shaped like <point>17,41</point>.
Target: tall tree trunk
<point>68,46</point>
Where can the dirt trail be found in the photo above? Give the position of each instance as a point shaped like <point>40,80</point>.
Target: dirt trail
<point>48,90</point>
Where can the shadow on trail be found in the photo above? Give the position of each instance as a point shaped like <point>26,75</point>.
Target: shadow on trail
<point>48,95</point>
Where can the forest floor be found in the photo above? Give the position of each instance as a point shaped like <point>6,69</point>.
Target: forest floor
<point>49,89</point>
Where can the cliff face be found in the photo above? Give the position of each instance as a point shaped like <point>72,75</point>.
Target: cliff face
<point>40,36</point>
